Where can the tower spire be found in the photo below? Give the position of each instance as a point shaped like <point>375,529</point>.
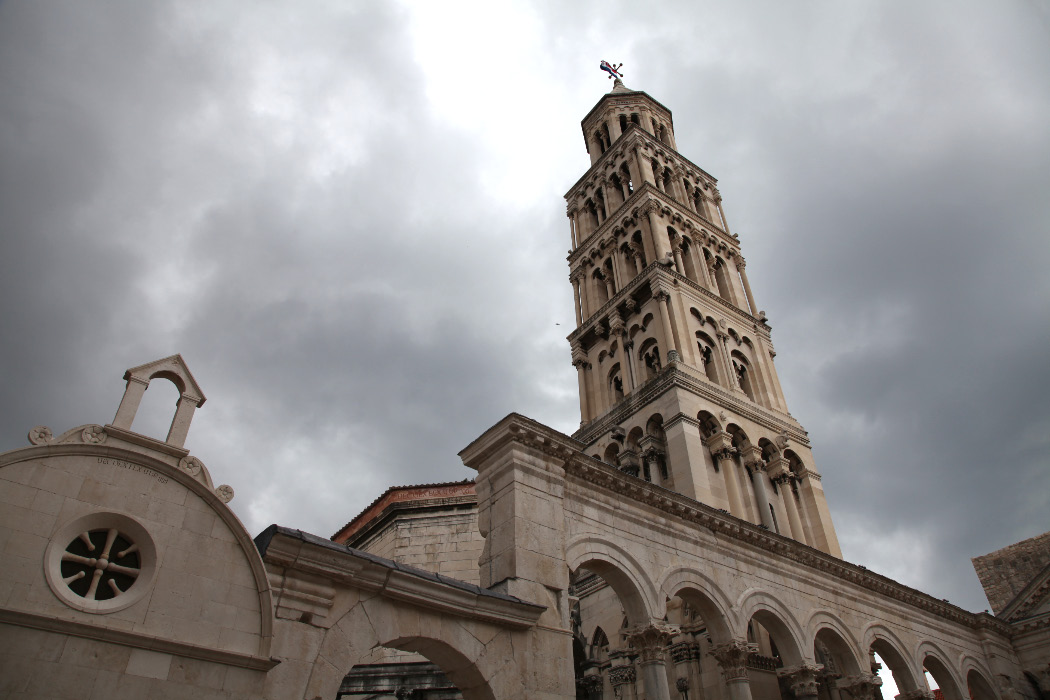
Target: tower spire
<point>674,361</point>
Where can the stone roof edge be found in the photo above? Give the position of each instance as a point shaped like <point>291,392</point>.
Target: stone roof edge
<point>322,557</point>
<point>355,537</point>
<point>625,96</point>
<point>393,489</point>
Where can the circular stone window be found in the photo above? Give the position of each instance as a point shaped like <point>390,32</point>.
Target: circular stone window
<point>101,562</point>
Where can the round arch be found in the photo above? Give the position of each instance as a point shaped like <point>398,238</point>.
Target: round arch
<point>934,660</point>
<point>703,593</point>
<point>474,668</point>
<point>831,631</point>
<point>622,572</point>
<point>977,685</point>
<point>887,645</point>
<point>778,621</point>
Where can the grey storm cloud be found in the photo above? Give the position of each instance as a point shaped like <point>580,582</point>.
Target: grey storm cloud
<point>363,280</point>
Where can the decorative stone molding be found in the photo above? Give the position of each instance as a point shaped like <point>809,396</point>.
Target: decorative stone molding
<point>682,652</point>
<point>802,679</point>
<point>225,493</point>
<point>732,659</point>
<point>86,434</point>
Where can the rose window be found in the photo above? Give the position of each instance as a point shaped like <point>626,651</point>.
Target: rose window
<point>100,564</point>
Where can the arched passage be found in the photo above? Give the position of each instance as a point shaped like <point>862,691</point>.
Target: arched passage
<point>978,686</point>
<point>933,661</point>
<point>703,595</point>
<point>834,645</point>
<point>889,648</point>
<point>624,574</point>
<point>475,668</point>
<point>773,616</point>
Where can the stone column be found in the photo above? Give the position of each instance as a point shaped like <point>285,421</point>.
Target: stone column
<point>129,404</point>
<point>722,450</point>
<point>727,360</point>
<point>614,127</point>
<point>638,267</point>
<point>628,359</point>
<point>661,244</point>
<point>573,240</point>
<point>180,424</point>
<point>676,250</point>
<point>721,213</point>
<point>585,404</point>
<point>671,343</point>
<point>732,660</point>
<point>627,461</point>
<point>863,686</point>
<point>740,265</point>
<point>645,168</point>
<point>651,642</point>
<point>610,289</point>
<point>752,458</point>
<point>779,471</point>
<point>652,461</point>
<point>576,300</point>
<point>802,680</point>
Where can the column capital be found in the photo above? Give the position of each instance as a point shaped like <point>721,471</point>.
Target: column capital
<point>863,686</point>
<point>580,363</point>
<point>751,456</point>
<point>651,640</point>
<point>802,679</point>
<point>732,659</point>
<point>917,694</point>
<point>621,675</point>
<point>718,442</point>
<point>740,262</point>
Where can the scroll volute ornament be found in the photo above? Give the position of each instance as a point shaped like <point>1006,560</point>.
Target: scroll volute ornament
<point>732,659</point>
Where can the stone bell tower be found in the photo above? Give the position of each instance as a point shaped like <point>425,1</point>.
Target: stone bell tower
<point>674,359</point>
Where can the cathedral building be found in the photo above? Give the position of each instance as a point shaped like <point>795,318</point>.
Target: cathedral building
<point>677,546</point>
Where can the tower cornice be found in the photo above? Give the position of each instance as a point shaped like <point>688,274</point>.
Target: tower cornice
<point>630,97</point>
<point>656,271</point>
<point>643,139</point>
<point>646,193</point>
<point>681,376</point>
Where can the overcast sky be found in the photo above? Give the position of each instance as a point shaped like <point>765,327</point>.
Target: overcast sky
<point>348,218</point>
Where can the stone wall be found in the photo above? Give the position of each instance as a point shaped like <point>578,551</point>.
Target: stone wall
<point>1005,572</point>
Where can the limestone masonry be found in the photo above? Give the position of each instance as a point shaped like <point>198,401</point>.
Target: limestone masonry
<point>678,545</point>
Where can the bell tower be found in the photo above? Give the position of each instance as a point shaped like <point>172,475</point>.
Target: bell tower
<point>674,359</point>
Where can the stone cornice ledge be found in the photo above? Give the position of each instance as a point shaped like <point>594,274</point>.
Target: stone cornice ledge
<point>529,433</point>
<point>135,640</point>
<point>310,554</point>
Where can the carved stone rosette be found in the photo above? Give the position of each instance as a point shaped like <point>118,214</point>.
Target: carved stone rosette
<point>802,679</point>
<point>732,659</point>
<point>862,686</point>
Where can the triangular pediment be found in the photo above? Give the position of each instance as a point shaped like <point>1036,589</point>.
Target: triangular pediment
<point>172,368</point>
<point>1034,598</point>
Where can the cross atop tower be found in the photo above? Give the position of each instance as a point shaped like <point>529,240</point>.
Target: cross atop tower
<point>674,359</point>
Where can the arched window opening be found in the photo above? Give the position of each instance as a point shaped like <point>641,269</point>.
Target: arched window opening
<point>623,123</point>
<point>607,268</point>
<point>625,177</point>
<point>639,247</point>
<point>722,279</point>
<point>667,177</point>
<point>600,289</point>
<point>592,214</point>
<point>690,270</point>
<point>938,676</point>
<point>635,119</point>
<point>612,453</point>
<point>706,354</point>
<point>650,354</point>
<point>662,133</point>
<point>743,374</point>
<point>153,418</point>
<point>698,203</point>
<point>599,141</point>
<point>616,383</point>
<point>602,209</point>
